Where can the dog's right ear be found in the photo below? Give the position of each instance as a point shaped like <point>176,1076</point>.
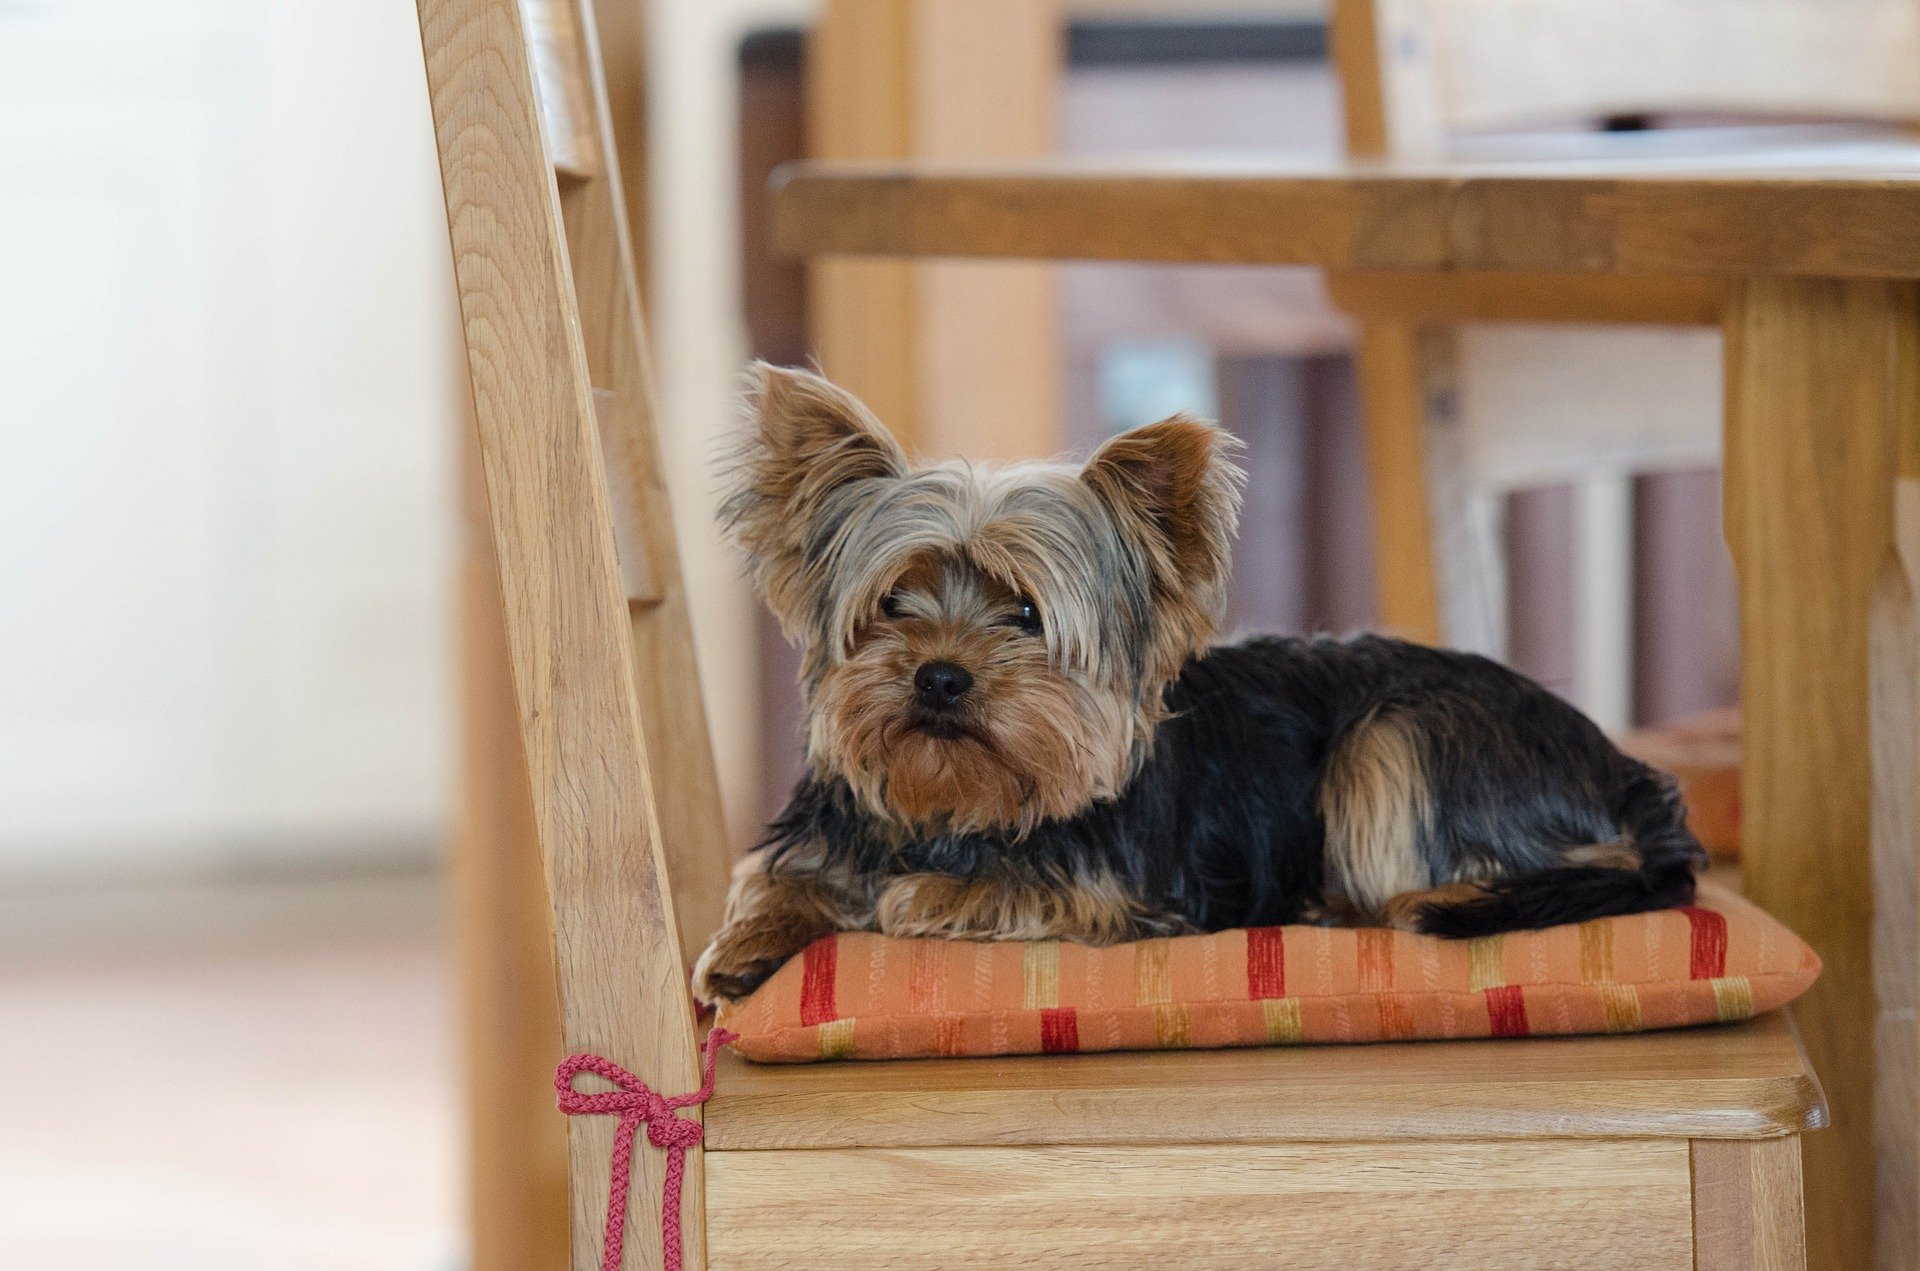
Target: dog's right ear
<point>808,455</point>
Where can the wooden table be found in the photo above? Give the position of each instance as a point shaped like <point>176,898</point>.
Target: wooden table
<point>1822,472</point>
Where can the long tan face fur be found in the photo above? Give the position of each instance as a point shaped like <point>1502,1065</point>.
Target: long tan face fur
<point>983,649</point>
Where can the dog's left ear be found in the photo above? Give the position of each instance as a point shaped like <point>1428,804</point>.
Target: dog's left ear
<point>808,455</point>
<point>1175,488</point>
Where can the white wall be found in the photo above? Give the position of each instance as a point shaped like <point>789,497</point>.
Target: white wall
<point>227,369</point>
<point>228,365</point>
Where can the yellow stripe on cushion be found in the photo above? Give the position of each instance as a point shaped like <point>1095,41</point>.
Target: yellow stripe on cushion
<point>1171,1027</point>
<point>836,1039</point>
<point>1621,1006</point>
<point>1596,952</point>
<point>1281,1015</point>
<point>1484,966</point>
<point>1152,972</point>
<point>1733,997</point>
<point>1040,975</point>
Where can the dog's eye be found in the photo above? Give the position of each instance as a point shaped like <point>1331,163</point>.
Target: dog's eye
<point>890,606</point>
<point>1026,616</point>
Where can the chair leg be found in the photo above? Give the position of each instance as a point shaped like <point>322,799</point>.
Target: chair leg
<point>1747,1214</point>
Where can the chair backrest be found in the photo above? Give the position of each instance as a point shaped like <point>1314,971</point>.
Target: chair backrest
<point>1452,66</point>
<point>612,724</point>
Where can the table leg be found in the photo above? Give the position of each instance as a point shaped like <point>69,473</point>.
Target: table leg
<point>1821,405</point>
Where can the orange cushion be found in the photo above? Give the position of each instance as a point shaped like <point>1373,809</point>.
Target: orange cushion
<point>863,996</point>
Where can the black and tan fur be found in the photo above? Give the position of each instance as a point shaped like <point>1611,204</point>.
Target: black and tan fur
<point>1084,764</point>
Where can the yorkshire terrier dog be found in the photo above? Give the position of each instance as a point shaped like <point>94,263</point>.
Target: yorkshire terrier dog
<point>1019,727</point>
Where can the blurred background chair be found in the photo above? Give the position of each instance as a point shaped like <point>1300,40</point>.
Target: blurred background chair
<point>1472,398</point>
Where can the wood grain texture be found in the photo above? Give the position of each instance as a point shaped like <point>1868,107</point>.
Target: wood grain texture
<point>1819,386</point>
<point>1739,1081</point>
<point>1747,1211</point>
<point>1403,296</point>
<point>517,1144</point>
<point>1894,661</point>
<point>622,977</point>
<point>1621,1203</point>
<point>1534,218</point>
<point>1895,670</point>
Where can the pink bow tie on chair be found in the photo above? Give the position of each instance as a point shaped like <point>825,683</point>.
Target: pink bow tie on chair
<point>634,1103</point>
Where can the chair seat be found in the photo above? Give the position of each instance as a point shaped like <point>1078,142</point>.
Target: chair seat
<point>1703,752</point>
<point>1748,1080</point>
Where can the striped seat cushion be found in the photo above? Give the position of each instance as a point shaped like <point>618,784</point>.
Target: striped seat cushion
<point>863,996</point>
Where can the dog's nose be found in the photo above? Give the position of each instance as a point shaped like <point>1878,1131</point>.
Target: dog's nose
<point>940,685</point>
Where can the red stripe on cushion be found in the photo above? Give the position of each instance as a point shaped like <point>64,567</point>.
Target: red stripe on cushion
<point>816,981</point>
<point>1709,961</point>
<point>1506,1012</point>
<point>1266,963</point>
<point>1373,954</point>
<point>1059,1030</point>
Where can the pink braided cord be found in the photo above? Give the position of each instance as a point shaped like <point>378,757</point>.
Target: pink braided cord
<point>634,1103</point>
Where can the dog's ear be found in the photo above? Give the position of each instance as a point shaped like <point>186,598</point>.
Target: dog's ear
<point>1174,487</point>
<point>808,454</point>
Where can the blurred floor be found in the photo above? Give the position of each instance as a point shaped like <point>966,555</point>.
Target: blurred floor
<point>232,1075</point>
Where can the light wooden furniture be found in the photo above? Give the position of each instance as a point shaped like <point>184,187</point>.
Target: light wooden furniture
<point>600,327</point>
<point>1822,323</point>
<point>1656,1150</point>
<point>517,1207</point>
<point>1459,411</point>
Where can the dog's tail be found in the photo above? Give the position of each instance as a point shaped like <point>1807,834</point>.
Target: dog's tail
<point>1653,829</point>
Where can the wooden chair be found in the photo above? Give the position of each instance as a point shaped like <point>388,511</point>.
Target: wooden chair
<point>1476,387</point>
<point>1652,1150</point>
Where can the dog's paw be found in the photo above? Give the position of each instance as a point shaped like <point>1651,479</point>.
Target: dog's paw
<point>738,961</point>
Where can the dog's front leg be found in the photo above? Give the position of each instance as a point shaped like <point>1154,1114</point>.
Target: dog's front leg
<point>770,917</point>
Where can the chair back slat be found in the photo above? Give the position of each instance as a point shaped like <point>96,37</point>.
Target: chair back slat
<point>625,501</point>
<point>560,79</point>
<point>613,728</point>
<point>673,716</point>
